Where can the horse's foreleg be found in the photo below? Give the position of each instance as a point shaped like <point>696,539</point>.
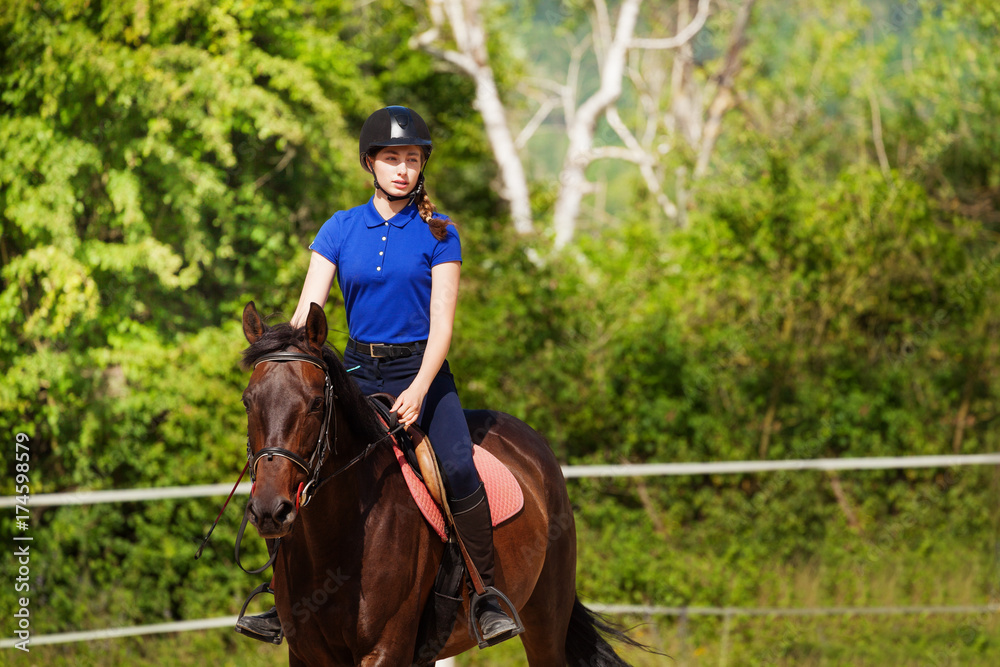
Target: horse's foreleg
<point>384,659</point>
<point>395,644</point>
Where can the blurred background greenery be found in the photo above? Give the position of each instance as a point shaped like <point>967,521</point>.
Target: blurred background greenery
<point>829,289</point>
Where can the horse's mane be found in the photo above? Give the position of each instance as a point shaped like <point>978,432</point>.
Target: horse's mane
<point>360,414</point>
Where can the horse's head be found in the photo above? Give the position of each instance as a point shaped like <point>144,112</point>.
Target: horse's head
<point>289,403</point>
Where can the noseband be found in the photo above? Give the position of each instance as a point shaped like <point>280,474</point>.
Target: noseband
<point>315,462</point>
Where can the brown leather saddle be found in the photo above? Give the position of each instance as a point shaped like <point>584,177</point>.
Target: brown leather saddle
<point>418,451</point>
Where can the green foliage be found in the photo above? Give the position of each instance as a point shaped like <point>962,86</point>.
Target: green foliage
<point>166,162</point>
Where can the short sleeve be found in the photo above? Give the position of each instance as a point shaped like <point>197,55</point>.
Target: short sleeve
<point>449,249</point>
<point>328,238</point>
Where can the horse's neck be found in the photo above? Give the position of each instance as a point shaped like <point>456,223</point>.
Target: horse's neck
<point>322,541</point>
<point>343,508</point>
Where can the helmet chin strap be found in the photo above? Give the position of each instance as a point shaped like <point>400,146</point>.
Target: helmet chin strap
<point>411,195</point>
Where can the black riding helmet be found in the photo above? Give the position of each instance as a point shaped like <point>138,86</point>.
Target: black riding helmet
<point>394,126</point>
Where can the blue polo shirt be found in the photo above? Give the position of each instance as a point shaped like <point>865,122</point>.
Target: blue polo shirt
<point>384,270</point>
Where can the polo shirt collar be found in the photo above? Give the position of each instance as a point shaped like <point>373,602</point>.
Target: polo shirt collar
<point>373,219</point>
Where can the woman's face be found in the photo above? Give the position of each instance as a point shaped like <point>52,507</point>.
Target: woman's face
<point>397,168</point>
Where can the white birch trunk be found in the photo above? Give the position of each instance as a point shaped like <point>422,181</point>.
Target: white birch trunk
<point>573,184</point>
<point>465,19</point>
<point>515,183</point>
<point>611,45</point>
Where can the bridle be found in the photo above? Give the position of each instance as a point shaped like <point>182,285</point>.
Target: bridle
<point>311,467</point>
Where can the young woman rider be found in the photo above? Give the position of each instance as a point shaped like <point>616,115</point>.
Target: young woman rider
<point>398,263</point>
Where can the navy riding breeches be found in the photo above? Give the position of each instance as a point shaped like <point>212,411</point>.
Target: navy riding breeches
<point>441,418</point>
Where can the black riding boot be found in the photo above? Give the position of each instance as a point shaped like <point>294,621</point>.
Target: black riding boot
<point>264,627</point>
<point>472,520</point>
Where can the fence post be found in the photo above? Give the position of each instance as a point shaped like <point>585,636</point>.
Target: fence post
<point>682,633</point>
<point>724,650</point>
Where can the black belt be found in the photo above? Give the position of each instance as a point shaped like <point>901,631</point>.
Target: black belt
<point>383,351</point>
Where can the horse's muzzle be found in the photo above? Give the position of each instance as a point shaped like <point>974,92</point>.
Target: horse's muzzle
<point>272,517</point>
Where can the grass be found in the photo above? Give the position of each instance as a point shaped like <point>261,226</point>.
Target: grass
<point>879,641</point>
<point>971,640</point>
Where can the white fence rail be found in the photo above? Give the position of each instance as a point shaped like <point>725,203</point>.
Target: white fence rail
<point>625,470</point>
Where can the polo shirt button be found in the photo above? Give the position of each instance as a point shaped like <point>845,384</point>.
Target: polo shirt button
<point>378,268</point>
<point>387,224</point>
<point>380,254</point>
<point>383,238</point>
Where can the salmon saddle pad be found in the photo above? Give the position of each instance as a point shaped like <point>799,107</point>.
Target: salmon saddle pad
<point>503,491</point>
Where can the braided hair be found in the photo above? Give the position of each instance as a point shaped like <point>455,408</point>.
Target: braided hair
<point>438,226</point>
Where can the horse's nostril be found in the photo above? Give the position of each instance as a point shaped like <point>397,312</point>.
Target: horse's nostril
<point>252,509</point>
<point>282,510</point>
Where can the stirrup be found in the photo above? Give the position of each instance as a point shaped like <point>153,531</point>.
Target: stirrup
<point>249,632</point>
<point>476,600</point>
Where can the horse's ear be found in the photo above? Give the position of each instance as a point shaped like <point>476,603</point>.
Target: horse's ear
<point>316,326</point>
<point>253,326</point>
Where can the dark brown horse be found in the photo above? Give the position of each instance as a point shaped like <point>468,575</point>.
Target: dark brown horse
<point>357,563</point>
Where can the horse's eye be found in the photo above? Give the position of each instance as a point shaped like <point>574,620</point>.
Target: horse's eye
<point>246,405</point>
<point>316,405</point>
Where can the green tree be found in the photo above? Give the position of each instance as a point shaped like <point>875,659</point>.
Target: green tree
<point>164,163</point>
